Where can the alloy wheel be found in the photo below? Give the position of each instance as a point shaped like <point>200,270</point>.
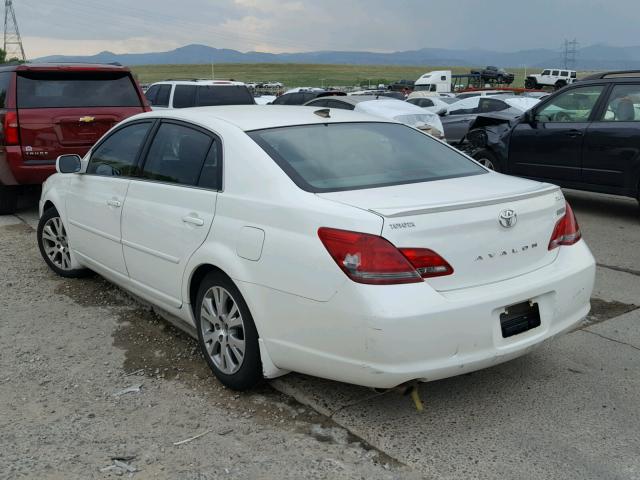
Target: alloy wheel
<point>56,243</point>
<point>223,331</point>
<point>485,162</point>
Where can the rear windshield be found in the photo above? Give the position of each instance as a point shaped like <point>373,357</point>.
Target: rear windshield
<point>76,89</point>
<point>349,156</point>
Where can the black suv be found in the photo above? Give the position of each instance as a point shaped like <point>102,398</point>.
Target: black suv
<point>585,136</point>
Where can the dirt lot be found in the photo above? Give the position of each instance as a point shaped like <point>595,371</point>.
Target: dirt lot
<point>70,346</point>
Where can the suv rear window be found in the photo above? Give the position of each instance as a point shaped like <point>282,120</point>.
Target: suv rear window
<point>76,89</point>
<point>349,156</point>
<point>5,79</point>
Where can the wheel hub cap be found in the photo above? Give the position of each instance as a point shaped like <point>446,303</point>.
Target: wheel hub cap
<point>55,243</point>
<point>222,329</point>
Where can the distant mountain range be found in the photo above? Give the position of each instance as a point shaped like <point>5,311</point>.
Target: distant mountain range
<point>594,57</point>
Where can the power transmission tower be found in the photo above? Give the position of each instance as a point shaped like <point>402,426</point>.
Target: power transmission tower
<point>569,53</point>
<point>12,41</point>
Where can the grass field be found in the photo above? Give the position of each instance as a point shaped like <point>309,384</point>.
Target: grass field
<point>300,75</point>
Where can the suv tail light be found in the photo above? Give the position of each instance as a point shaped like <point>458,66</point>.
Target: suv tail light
<point>566,231</point>
<point>10,128</point>
<point>371,259</point>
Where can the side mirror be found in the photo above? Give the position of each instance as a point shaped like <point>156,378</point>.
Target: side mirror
<point>442,112</point>
<point>530,117</point>
<point>68,163</point>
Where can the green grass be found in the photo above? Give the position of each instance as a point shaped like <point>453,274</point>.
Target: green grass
<point>300,75</point>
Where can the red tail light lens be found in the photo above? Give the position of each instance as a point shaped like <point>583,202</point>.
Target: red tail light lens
<point>566,231</point>
<point>10,128</point>
<point>374,260</point>
<point>427,262</point>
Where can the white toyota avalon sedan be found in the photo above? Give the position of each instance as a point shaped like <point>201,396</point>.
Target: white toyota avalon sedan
<point>325,242</point>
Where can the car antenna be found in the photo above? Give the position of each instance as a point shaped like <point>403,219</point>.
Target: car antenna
<point>324,113</point>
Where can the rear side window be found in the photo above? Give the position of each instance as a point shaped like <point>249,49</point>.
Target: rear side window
<point>116,156</point>
<point>76,89</point>
<point>209,95</point>
<point>5,79</point>
<point>347,156</point>
<point>178,154</point>
<point>184,96</point>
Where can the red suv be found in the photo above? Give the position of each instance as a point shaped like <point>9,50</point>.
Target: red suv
<point>47,110</point>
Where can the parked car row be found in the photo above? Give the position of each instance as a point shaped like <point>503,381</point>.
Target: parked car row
<point>585,136</point>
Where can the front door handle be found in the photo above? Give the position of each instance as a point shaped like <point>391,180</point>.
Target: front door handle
<point>114,203</point>
<point>574,133</point>
<point>198,222</point>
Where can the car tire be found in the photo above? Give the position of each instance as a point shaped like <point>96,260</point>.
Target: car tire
<point>53,243</point>
<point>227,335</point>
<point>8,199</point>
<point>559,84</point>
<point>531,84</point>
<point>488,159</point>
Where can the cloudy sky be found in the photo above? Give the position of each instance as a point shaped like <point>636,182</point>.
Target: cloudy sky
<point>89,26</point>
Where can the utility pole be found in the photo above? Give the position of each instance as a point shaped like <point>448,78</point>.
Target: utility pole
<point>569,53</point>
<point>12,41</point>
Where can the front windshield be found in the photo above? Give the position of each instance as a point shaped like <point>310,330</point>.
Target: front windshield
<point>347,156</point>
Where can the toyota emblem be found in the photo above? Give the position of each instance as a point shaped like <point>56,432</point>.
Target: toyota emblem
<point>507,218</point>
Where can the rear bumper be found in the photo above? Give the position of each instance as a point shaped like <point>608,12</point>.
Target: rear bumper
<point>14,170</point>
<point>384,336</point>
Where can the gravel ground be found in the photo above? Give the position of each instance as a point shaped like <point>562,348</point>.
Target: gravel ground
<point>69,348</point>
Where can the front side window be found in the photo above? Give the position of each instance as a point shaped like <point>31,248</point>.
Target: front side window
<point>177,155</point>
<point>574,105</point>
<point>546,72</point>
<point>623,104</point>
<point>347,156</point>
<point>116,156</point>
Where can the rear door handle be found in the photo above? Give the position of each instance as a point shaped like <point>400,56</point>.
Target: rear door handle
<point>114,203</point>
<point>574,133</point>
<point>198,222</point>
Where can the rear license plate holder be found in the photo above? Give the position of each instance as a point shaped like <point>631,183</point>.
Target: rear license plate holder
<point>519,318</point>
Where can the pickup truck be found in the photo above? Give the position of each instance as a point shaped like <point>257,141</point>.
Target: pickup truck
<point>493,74</point>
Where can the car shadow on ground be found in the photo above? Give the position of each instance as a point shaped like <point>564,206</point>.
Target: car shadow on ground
<point>620,208</point>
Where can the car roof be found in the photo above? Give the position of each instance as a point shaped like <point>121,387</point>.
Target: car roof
<point>615,75</point>
<point>203,81</point>
<point>256,117</point>
<point>63,67</point>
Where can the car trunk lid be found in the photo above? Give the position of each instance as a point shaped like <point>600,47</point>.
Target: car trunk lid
<point>460,219</point>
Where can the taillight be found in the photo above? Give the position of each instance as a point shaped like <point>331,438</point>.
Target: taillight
<point>10,128</point>
<point>427,262</point>
<point>566,231</point>
<point>371,259</point>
